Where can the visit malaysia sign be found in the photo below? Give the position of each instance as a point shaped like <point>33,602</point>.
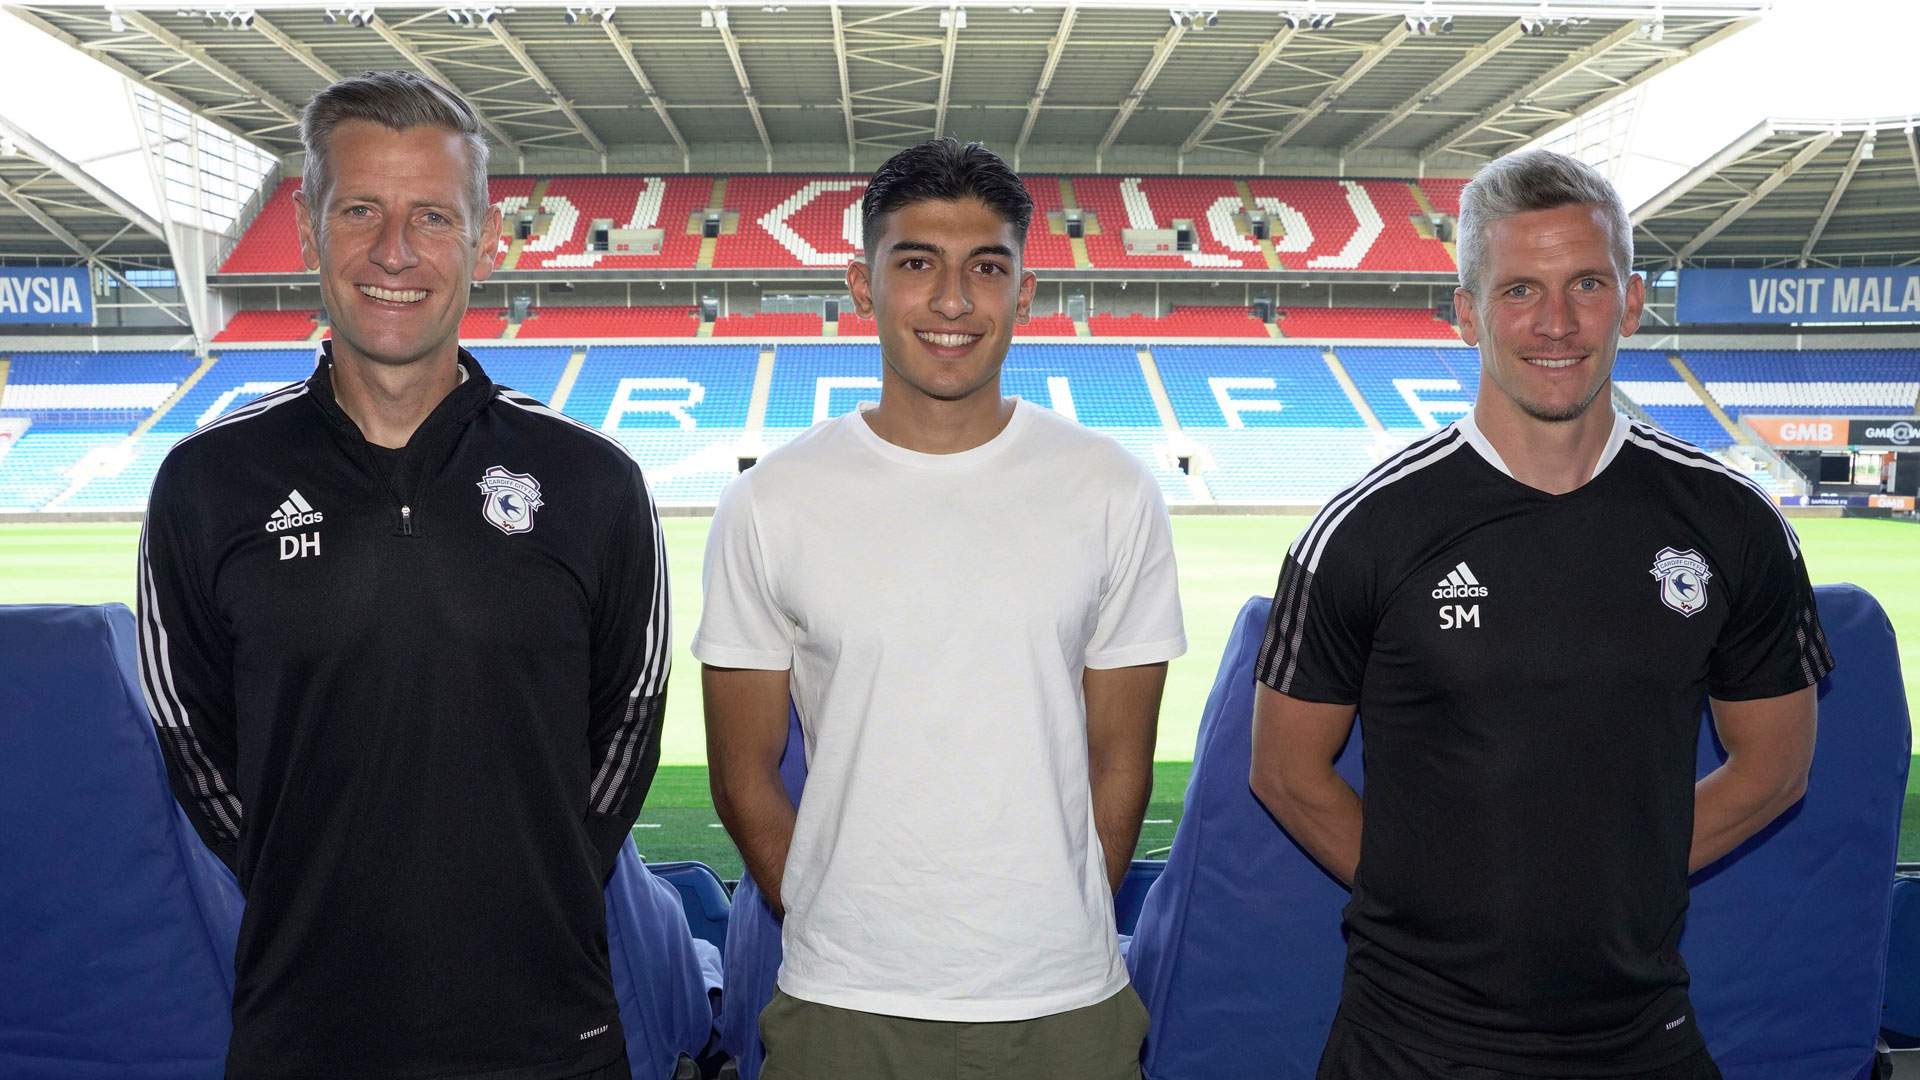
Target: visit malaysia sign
<point>45,294</point>
<point>1859,294</point>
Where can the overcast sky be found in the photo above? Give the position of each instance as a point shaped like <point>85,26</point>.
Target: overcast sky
<point>1807,59</point>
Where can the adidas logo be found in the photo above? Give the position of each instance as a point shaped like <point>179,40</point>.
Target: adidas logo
<point>1459,583</point>
<point>294,512</point>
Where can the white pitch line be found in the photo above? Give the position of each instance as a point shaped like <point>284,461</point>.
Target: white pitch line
<point>1158,821</point>
<point>646,825</point>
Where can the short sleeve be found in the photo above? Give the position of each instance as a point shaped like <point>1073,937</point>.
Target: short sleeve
<point>741,624</point>
<point>1140,621</point>
<point>1772,643</point>
<point>1320,629</point>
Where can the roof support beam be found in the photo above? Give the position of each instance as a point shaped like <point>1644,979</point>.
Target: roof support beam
<point>207,63</point>
<point>80,248</point>
<point>1162,50</point>
<point>1374,54</point>
<point>1765,188</point>
<point>846,88</point>
<point>946,70</point>
<point>1574,62</point>
<point>746,85</point>
<point>426,67</point>
<point>1728,154</point>
<point>295,49</point>
<point>1839,189</point>
<point>625,48</point>
<point>1055,48</point>
<point>519,53</point>
<point>1913,152</point>
<point>106,57</point>
<point>1476,56</point>
<point>80,178</point>
<point>1261,61</point>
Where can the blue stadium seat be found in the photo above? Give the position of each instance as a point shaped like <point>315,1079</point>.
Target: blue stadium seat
<point>533,370</point>
<point>1900,1024</point>
<point>1141,874</point>
<point>1862,382</point>
<point>117,949</point>
<point>1274,386</point>
<point>1238,950</point>
<point>753,948</point>
<point>1443,381</point>
<point>703,896</point>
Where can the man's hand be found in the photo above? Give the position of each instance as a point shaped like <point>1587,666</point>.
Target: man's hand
<point>1295,744</point>
<point>1769,745</point>
<point>746,734</point>
<point>1123,715</point>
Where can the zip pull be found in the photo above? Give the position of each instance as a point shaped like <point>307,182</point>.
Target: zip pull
<point>406,521</point>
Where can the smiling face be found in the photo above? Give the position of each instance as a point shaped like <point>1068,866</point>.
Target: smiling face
<point>946,290</point>
<point>395,243</point>
<point>1553,306</point>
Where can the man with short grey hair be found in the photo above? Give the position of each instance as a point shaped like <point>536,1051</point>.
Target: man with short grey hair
<point>1530,607</point>
<point>404,636</point>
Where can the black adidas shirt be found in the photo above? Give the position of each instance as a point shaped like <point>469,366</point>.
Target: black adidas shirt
<point>412,698</point>
<point>1530,671</point>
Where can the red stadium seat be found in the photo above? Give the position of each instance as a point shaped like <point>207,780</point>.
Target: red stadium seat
<point>1182,321</point>
<point>1364,322</point>
<point>268,326</point>
<point>610,322</point>
<point>768,324</point>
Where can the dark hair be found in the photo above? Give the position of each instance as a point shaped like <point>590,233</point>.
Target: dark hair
<point>944,170</point>
<point>398,100</point>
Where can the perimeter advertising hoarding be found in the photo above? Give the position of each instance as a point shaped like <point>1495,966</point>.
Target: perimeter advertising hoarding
<point>1801,432</point>
<point>1900,433</point>
<point>1858,294</point>
<point>45,294</point>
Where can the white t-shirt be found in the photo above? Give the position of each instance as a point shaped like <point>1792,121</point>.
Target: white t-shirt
<point>937,612</point>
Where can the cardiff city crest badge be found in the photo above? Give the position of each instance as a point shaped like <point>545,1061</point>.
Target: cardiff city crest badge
<point>1683,577</point>
<point>511,499</point>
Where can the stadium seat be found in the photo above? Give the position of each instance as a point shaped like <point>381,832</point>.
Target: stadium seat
<point>1900,1024</point>
<point>753,948</point>
<point>117,949</point>
<point>1141,874</point>
<point>1238,950</point>
<point>703,896</point>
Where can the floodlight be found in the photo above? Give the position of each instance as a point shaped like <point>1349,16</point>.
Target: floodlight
<point>1446,25</point>
<point>1866,149</point>
<point>1321,22</point>
<point>572,15</point>
<point>954,18</point>
<point>115,23</point>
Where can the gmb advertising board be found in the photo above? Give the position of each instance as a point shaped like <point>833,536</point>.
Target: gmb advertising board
<point>1857,294</point>
<point>45,294</point>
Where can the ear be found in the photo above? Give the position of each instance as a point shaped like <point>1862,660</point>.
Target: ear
<point>1469,317</point>
<point>1024,310</point>
<point>1636,305</point>
<point>489,250</point>
<point>303,223</point>
<point>860,286</point>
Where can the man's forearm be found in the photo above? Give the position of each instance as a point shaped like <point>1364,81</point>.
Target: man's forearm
<point>1120,794</point>
<point>1732,803</point>
<point>759,817</point>
<point>1321,812</point>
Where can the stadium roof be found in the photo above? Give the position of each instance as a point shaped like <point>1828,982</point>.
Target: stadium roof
<point>1793,193</point>
<point>53,209</point>
<point>817,85</point>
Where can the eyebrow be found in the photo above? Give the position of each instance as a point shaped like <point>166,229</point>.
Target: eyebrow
<point>1001,250</point>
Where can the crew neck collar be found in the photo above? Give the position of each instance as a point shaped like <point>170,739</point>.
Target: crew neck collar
<point>1616,438</point>
<point>963,459</point>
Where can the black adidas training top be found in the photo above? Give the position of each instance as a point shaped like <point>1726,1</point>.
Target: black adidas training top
<point>413,699</point>
<point>1530,670</point>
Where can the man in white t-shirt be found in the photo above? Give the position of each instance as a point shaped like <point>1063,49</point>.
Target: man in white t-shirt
<point>971,601</point>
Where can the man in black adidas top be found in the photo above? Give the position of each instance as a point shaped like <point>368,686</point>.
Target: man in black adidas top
<point>404,636</point>
<point>1528,608</point>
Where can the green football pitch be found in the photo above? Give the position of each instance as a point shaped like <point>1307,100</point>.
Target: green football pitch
<point>1223,561</point>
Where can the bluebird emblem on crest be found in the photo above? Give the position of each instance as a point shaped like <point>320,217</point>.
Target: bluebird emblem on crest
<point>511,499</point>
<point>1683,577</point>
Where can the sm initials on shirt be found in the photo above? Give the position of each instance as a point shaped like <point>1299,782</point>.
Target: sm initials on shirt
<point>1459,584</point>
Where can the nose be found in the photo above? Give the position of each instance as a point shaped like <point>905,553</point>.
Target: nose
<point>392,246</point>
<point>952,299</point>
<point>1556,317</point>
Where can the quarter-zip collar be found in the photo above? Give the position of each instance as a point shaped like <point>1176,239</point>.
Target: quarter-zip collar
<point>413,463</point>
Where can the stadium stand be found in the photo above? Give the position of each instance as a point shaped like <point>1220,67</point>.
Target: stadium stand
<point>852,325</point>
<point>483,323</point>
<point>1413,389</point>
<point>1191,321</point>
<point>1879,382</point>
<point>1347,225</point>
<point>1046,249</point>
<point>1046,326</point>
<point>680,410</point>
<point>271,326</point>
<point>533,370</point>
<point>1442,195</point>
<point>792,221</point>
<point>1364,322</point>
<point>588,322</point>
<point>812,383</point>
<point>1238,950</point>
<point>1650,382</point>
<point>768,324</point>
<point>574,203</point>
<point>81,407</point>
<point>270,244</point>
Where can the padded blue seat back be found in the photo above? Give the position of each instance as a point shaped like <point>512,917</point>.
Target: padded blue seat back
<point>116,924</point>
<point>1900,1024</point>
<point>1238,951</point>
<point>753,948</point>
<point>703,896</point>
<point>1141,874</point>
<point>656,976</point>
<point>1786,938</point>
